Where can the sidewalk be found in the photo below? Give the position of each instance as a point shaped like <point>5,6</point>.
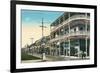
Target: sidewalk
<point>56,58</point>
<point>52,58</point>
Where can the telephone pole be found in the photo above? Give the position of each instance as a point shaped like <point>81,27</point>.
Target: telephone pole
<point>42,26</point>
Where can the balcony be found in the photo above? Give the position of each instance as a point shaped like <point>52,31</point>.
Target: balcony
<point>75,17</point>
<point>71,34</point>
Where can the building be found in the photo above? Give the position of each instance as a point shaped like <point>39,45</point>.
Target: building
<point>70,35</point>
<point>40,46</point>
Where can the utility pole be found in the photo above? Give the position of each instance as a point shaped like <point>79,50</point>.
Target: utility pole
<point>42,26</point>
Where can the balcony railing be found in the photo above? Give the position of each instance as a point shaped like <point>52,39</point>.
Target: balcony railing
<point>78,16</point>
<point>79,33</point>
<point>71,34</point>
<point>69,20</point>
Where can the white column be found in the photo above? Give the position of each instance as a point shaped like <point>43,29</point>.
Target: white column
<point>56,50</point>
<point>69,47</point>
<point>79,48</point>
<point>50,49</point>
<point>69,39</point>
<point>59,42</point>
<point>64,40</point>
<point>65,48</point>
<point>86,33</point>
<point>69,33</point>
<point>86,46</point>
<point>59,48</point>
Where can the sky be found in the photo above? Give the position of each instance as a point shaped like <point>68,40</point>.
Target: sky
<point>31,21</point>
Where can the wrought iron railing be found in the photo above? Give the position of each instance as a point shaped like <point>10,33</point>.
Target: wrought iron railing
<point>74,17</point>
<point>77,33</point>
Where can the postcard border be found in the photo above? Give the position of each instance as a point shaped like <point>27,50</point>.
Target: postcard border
<point>13,36</point>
